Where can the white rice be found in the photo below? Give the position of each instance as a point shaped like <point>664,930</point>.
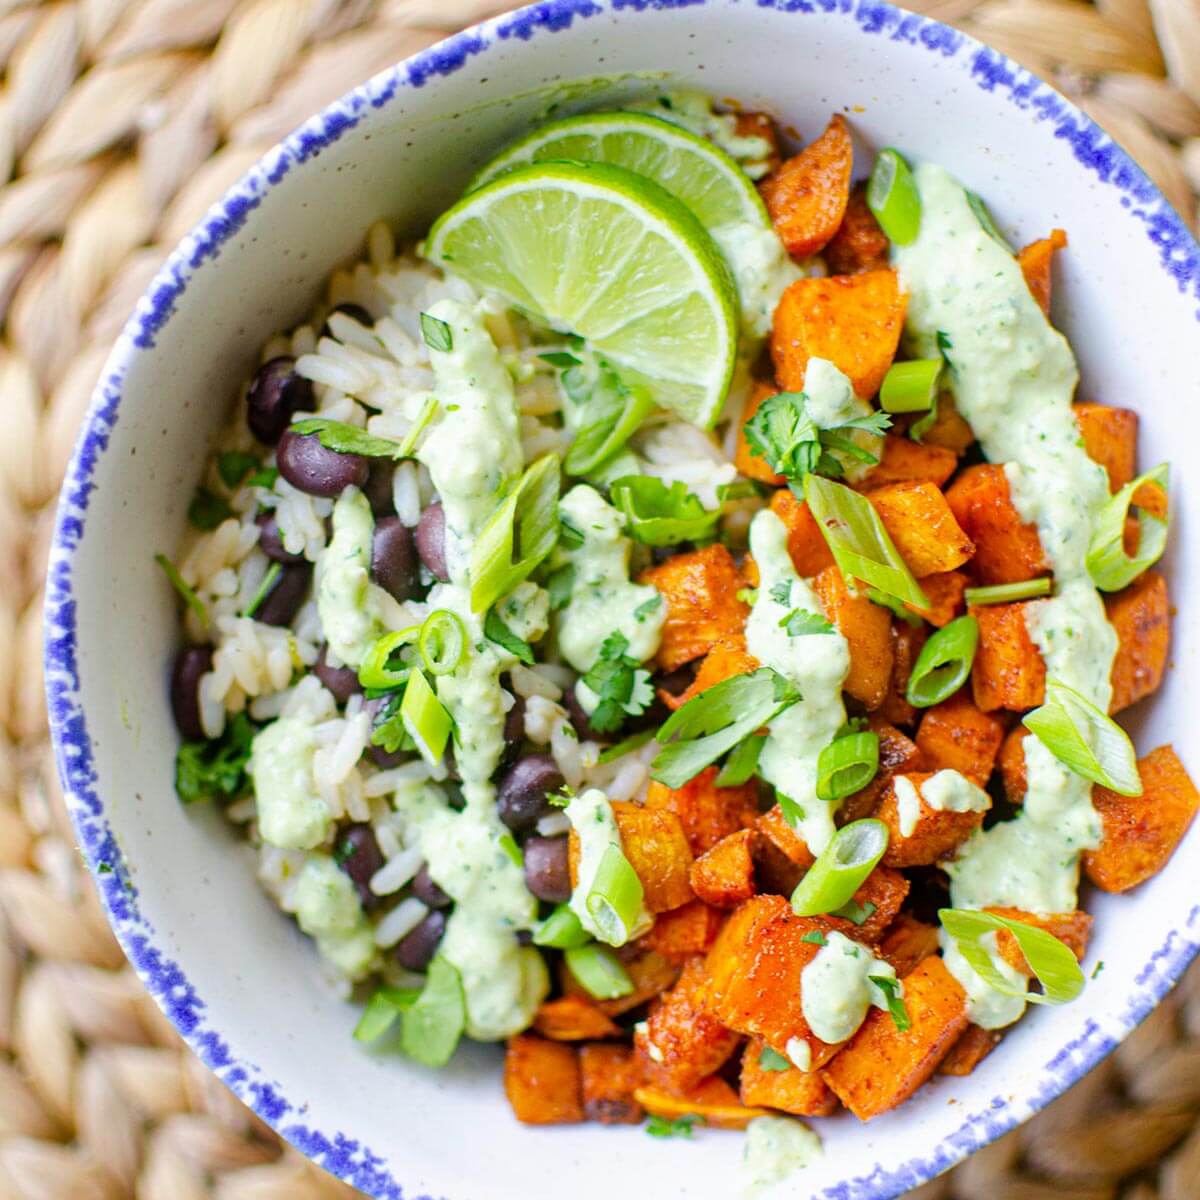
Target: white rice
<point>397,872</point>
<point>402,920</point>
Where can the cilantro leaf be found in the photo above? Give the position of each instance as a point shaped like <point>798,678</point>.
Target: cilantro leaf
<point>559,358</point>
<point>570,535</point>
<point>680,1127</point>
<point>896,1006</point>
<point>495,630</point>
<point>854,912</point>
<point>814,937</point>
<point>781,592</point>
<point>559,587</point>
<point>348,439</point>
<point>800,622</point>
<point>662,515</point>
<point>621,685</point>
<point>264,478</point>
<point>234,465</point>
<point>793,813</point>
<point>389,731</point>
<point>207,510</point>
<point>215,770</point>
<point>647,607</point>
<point>610,412</point>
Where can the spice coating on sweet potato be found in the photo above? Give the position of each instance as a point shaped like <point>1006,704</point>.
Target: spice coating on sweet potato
<point>878,900</point>
<point>1008,671</point>
<point>907,641</point>
<point>807,547</point>
<point>859,244</point>
<point>1141,616</point>
<point>712,1099</point>
<point>1036,261</point>
<point>541,1081</point>
<point>1007,549</point>
<point>946,593</point>
<point>729,657</point>
<point>970,1050</point>
<point>1012,764</point>
<point>657,849</point>
<point>957,735</point>
<point>922,527</point>
<point>572,1019</point>
<point>685,931</point>
<point>935,835</point>
<point>867,628</point>
<point>897,753</point>
<point>1110,438</point>
<point>904,460</point>
<point>802,1093</point>
<point>724,875</point>
<point>609,1076</point>
<point>907,943</point>
<point>1073,929</point>
<point>707,813</point>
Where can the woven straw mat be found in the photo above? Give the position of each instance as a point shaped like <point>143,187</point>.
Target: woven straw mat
<point>120,122</point>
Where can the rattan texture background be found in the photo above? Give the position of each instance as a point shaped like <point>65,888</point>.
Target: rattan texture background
<point>120,122</point>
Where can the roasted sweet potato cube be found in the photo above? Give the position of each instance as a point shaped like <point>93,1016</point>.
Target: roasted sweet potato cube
<point>572,1019</point>
<point>1007,549</point>
<point>868,629</point>
<point>541,1081</point>
<point>970,1050</point>
<point>878,902</point>
<point>949,429</point>
<point>713,1099</point>
<point>1110,438</point>
<point>934,835</point>
<point>609,1075</point>
<point>781,855</point>
<point>1072,929</point>
<point>1140,833</point>
<point>853,321</point>
<point>760,125</point>
<point>707,813</point>
<point>806,543</point>
<point>1035,261</point>
<point>807,196</point>
<point>946,594</point>
<point>750,464</point>
<point>1012,764</point>
<point>657,849</point>
<point>802,1093</point>
<point>897,753</point>
<point>684,932</point>
<point>956,735</point>
<point>680,1042</point>
<point>922,527</point>
<point>773,825</point>
<point>1141,616</point>
<point>907,641</point>
<point>727,658</point>
<point>859,244</point>
<point>649,972</point>
<point>701,590</point>
<point>880,1067</point>
<point>906,943</point>
<point>905,460</point>
<point>724,875</point>
<point>1008,671</point>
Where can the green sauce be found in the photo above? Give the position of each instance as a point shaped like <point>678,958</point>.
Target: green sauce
<point>775,1148</point>
<point>345,595</point>
<point>290,813</point>
<point>329,910</point>
<point>836,988</point>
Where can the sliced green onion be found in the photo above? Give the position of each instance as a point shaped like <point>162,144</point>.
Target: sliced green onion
<point>855,913</point>
<point>918,429</point>
<point>436,333</point>
<point>944,663</point>
<point>852,854</point>
<point>508,844</point>
<point>859,542</point>
<point>268,582</point>
<point>383,1011</point>
<point>741,764</point>
<point>598,971</point>
<point>517,536</point>
<point>177,582</point>
<point>610,414</point>
<point>1007,593</point>
<point>561,930</point>
<point>847,765</point>
<point>893,197</point>
<point>635,741</point>
<point>435,1022</point>
<point>1109,566</point>
<point>892,994</point>
<point>662,515</point>
<point>910,386</point>
<point>425,717</point>
<point>1085,739</point>
<point>408,444</point>
<point>442,642</point>
<point>376,671</point>
<point>984,218</point>
<point>1050,960</point>
<point>614,900</point>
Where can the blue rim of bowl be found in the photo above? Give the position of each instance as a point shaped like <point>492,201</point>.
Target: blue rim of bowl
<point>339,1153</point>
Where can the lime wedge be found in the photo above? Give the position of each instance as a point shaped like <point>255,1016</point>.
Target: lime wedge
<point>595,250</point>
<point>691,168</point>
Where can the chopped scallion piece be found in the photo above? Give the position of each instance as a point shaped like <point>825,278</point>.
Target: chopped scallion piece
<point>376,669</point>
<point>893,197</point>
<point>1109,566</point>
<point>847,765</point>
<point>508,844</point>
<point>892,990</point>
<point>614,899</point>
<point>1008,593</point>
<point>429,410</point>
<point>382,1012</point>
<point>435,1022</point>
<point>436,333</point>
<point>741,764</point>
<point>425,717</point>
<point>852,854</point>
<point>598,971</point>
<point>171,571</point>
<point>442,642</point>
<point>611,413</point>
<point>944,663</point>
<point>910,386</point>
<point>264,589</point>
<point>562,929</point>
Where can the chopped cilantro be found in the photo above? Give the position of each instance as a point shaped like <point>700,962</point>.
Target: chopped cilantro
<point>621,685</point>
<point>215,770</point>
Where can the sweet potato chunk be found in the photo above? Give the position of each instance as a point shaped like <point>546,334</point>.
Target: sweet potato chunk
<point>1035,261</point>
<point>609,1076</point>
<point>748,463</point>
<point>806,543</point>
<point>807,196</point>
<point>649,972</point>
<point>853,321</point>
<point>922,527</point>
<point>724,875</point>
<point>1008,671</point>
<point>1141,616</point>
<point>700,588</point>
<point>684,932</point>
<point>949,429</point>
<point>880,1067</point>
<point>905,460</point>
<point>945,592</point>
<point>680,1042</point>
<point>868,629</point>
<point>1012,764</point>
<point>727,658</point>
<point>970,1050</point>
<point>907,641</point>
<point>859,244</point>
<point>1007,549</point>
<point>897,753</point>
<point>936,833</point>
<point>802,1093</point>
<point>572,1019</point>
<point>958,736</point>
<point>781,855</point>
<point>907,943</point>
<point>1072,929</point>
<point>707,813</point>
<point>1110,438</point>
<point>1140,833</point>
<point>657,849</point>
<point>878,901</point>
<point>541,1081</point>
<point>713,1099</point>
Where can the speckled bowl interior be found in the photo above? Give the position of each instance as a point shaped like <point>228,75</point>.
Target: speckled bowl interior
<point>232,973</point>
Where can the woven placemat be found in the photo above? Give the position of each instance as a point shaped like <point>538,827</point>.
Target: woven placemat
<point>120,122</point>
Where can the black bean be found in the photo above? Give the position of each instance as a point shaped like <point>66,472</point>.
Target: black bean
<point>190,663</point>
<point>283,601</point>
<point>276,394</point>
<point>522,795</point>
<point>394,558</point>
<point>579,719</point>
<point>427,891</point>
<point>378,489</point>
<point>270,541</point>
<point>358,854</point>
<point>431,541</point>
<point>547,873</point>
<point>342,682</point>
<point>354,311</point>
<point>417,948</point>
<point>314,469</point>
<point>514,731</point>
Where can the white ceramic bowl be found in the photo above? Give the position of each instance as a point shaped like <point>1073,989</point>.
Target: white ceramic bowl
<point>231,972</point>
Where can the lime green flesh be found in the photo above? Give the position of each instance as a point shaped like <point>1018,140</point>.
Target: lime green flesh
<point>692,169</point>
<point>598,251</point>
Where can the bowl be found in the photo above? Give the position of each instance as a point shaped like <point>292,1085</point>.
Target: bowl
<point>234,975</point>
